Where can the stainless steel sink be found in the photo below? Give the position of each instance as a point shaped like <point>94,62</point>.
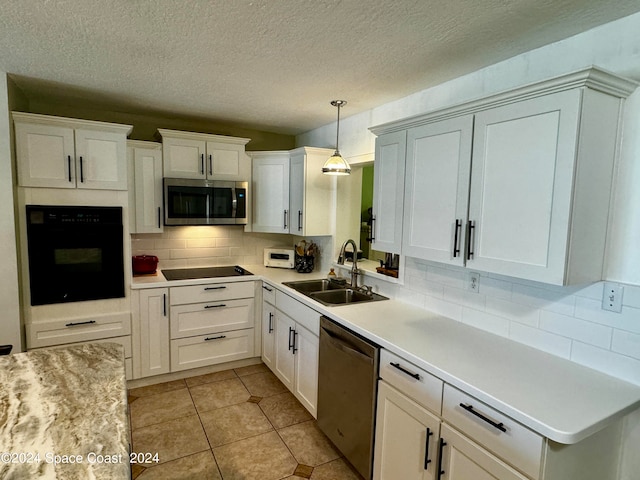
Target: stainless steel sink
<point>331,294</point>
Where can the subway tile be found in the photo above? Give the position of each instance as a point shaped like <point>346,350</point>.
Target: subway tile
<point>493,287</point>
<point>518,312</point>
<point>626,343</point>
<point>170,243</point>
<point>485,321</point>
<point>411,297</point>
<point>627,319</point>
<point>444,308</point>
<point>465,298</point>
<point>536,338</point>
<point>554,300</point>
<point>593,291</point>
<point>425,287</point>
<point>199,253</point>
<point>200,243</point>
<point>577,329</point>
<point>142,244</point>
<point>606,361</point>
<point>445,276</point>
<point>631,296</point>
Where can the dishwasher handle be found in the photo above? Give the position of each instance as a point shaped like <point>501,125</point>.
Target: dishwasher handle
<point>344,347</point>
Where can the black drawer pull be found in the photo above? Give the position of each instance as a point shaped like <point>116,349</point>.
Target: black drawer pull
<point>270,322</point>
<point>214,288</point>
<point>456,238</point>
<point>69,166</point>
<point>405,371</point>
<point>215,306</point>
<point>215,338</point>
<point>470,409</point>
<point>74,324</point>
<point>267,288</point>
<point>440,450</point>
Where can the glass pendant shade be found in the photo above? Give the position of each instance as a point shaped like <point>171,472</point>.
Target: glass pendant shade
<point>336,165</point>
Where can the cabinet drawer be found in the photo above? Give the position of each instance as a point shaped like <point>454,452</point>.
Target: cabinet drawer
<point>268,293</point>
<point>305,316</point>
<point>73,330</point>
<point>204,318</point>
<point>211,349</point>
<point>425,389</point>
<point>211,292</point>
<point>516,445</point>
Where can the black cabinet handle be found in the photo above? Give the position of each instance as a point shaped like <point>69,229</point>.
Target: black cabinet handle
<point>215,288</point>
<point>372,238</point>
<point>202,163</point>
<point>405,371</point>
<point>440,450</point>
<point>69,166</point>
<point>75,324</point>
<point>295,348</point>
<point>285,218</point>
<point>456,238</point>
<point>215,306</point>
<point>81,171</point>
<point>299,220</point>
<point>215,338</point>
<point>470,238</point>
<point>270,322</point>
<point>164,304</point>
<point>159,217</point>
<point>267,288</point>
<point>290,342</point>
<point>210,164</point>
<point>427,460</point>
<point>470,409</point>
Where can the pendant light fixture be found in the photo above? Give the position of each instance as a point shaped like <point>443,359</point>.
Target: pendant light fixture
<point>336,165</point>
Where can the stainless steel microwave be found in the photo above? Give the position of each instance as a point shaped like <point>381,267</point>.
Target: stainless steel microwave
<point>204,202</point>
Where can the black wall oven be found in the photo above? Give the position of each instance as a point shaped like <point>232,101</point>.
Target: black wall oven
<point>75,253</point>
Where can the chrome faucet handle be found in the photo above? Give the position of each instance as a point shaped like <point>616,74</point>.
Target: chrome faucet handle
<point>366,289</point>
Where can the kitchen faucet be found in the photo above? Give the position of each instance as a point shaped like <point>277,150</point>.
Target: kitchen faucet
<point>354,268</point>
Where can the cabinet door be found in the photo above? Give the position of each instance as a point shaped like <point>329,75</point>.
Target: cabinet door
<point>154,331</point>
<point>296,194</point>
<point>268,334</point>
<point>101,160</point>
<point>521,187</point>
<point>227,162</point>
<point>463,459</point>
<point>271,193</point>
<point>46,156</point>
<point>147,190</point>
<point>305,349</point>
<point>436,196</point>
<point>184,158</point>
<point>406,438</point>
<point>388,191</point>
<point>285,366</point>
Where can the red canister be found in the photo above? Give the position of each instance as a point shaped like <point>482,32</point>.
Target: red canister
<point>144,264</point>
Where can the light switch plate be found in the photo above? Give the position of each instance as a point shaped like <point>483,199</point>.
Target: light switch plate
<point>612,297</point>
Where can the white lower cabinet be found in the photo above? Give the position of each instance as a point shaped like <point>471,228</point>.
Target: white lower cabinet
<point>429,430</point>
<point>268,325</point>
<point>154,331</point>
<point>291,330</point>
<point>193,352</point>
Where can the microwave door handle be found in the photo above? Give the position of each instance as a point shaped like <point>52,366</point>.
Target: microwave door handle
<point>234,202</point>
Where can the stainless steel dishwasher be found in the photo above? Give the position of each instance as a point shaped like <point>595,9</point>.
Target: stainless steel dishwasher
<point>347,388</point>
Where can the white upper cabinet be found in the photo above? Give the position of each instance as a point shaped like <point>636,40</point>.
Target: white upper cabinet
<point>145,186</point>
<point>388,191</point>
<point>436,195</point>
<point>518,184</point>
<point>312,195</point>
<point>270,190</point>
<point>205,156</point>
<point>58,152</point>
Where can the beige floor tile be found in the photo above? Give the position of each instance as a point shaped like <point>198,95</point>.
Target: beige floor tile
<point>219,394</point>
<point>308,444</point>
<point>284,409</point>
<point>173,439</point>
<point>236,422</point>
<point>335,470</point>
<point>251,369</point>
<point>264,457</point>
<point>200,466</point>
<point>161,407</point>
<point>263,384</point>
<point>157,388</point>
<point>210,377</point>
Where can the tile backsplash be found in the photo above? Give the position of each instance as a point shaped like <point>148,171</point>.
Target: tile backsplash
<point>179,247</point>
<point>565,321</point>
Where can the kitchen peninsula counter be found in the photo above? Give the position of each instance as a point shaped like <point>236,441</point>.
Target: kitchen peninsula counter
<point>63,414</point>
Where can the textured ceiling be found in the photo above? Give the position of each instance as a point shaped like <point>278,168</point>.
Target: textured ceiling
<point>271,65</point>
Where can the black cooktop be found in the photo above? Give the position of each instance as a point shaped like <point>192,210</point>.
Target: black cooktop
<point>204,272</point>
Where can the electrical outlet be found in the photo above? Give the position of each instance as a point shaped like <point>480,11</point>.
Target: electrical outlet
<point>473,282</point>
<point>612,297</point>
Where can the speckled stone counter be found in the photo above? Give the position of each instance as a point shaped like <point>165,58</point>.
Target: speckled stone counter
<point>63,414</point>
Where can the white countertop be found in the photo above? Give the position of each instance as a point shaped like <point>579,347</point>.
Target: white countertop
<point>557,398</point>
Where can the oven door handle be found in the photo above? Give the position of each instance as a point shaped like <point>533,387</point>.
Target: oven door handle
<point>344,347</point>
